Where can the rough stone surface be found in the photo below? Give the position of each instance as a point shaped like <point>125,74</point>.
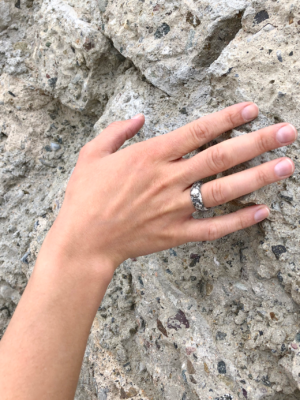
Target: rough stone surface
<point>203,321</point>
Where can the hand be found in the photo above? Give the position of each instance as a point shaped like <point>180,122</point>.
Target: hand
<point>136,201</point>
<point>122,204</point>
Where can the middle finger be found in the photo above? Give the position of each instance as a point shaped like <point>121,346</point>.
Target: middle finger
<point>235,151</point>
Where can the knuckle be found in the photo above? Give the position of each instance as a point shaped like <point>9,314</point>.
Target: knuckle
<point>230,117</point>
<point>242,222</point>
<point>262,177</point>
<point>121,127</point>
<point>213,232</point>
<point>85,151</point>
<point>200,132</point>
<point>263,143</point>
<point>218,159</point>
<point>161,184</point>
<point>152,151</point>
<point>218,193</point>
<point>115,125</point>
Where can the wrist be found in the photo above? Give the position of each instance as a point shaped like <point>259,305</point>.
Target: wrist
<point>61,253</point>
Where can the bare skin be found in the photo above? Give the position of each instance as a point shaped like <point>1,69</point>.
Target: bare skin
<point>122,204</point>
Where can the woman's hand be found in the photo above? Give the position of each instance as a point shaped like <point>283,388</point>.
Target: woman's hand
<point>118,205</point>
<point>136,201</point>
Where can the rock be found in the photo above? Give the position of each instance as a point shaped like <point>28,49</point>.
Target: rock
<point>162,30</point>
<point>190,368</point>
<point>241,318</point>
<point>221,367</point>
<point>132,392</point>
<point>161,328</point>
<point>55,146</point>
<point>261,16</point>
<point>5,15</point>
<point>24,259</point>
<point>221,335</point>
<point>79,59</point>
<point>278,250</point>
<point>241,286</point>
<point>70,68</point>
<point>178,321</point>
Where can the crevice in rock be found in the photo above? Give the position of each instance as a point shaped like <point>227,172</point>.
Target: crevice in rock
<point>224,32</point>
<point>143,77</point>
<point>281,396</point>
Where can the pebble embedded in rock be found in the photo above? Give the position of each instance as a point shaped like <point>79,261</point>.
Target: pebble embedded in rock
<point>24,259</point>
<point>52,82</point>
<point>209,289</point>
<point>190,368</point>
<point>279,56</point>
<point>192,19</point>
<point>162,31</point>
<point>55,146</point>
<point>195,259</point>
<point>183,111</point>
<point>221,367</point>
<point>278,250</point>
<point>161,328</point>
<point>279,277</point>
<point>261,16</point>
<point>224,397</point>
<point>220,335</point>
<point>241,286</point>
<point>140,280</point>
<point>178,321</point>
<point>132,392</point>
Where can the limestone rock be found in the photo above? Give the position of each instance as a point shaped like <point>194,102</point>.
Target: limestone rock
<point>73,60</point>
<point>204,320</point>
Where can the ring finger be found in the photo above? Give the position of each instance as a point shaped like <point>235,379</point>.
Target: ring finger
<point>225,189</point>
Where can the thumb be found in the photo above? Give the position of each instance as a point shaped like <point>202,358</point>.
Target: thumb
<point>115,135</point>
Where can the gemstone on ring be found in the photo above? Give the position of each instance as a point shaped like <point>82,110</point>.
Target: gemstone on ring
<point>196,196</point>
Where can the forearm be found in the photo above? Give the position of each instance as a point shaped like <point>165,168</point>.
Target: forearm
<point>43,347</point>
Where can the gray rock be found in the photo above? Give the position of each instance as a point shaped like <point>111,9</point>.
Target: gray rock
<point>55,146</point>
<point>228,311</point>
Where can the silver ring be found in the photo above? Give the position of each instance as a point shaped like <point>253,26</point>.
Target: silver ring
<point>196,196</point>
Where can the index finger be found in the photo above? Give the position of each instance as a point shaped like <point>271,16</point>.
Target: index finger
<point>195,134</point>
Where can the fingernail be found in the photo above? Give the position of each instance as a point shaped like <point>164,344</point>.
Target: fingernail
<point>137,116</point>
<point>286,134</point>
<point>284,168</point>
<point>261,214</point>
<point>250,112</point>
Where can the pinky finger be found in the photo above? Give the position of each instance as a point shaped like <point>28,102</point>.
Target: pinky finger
<point>210,229</point>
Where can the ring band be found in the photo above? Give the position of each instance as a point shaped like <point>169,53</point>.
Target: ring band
<point>196,196</point>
